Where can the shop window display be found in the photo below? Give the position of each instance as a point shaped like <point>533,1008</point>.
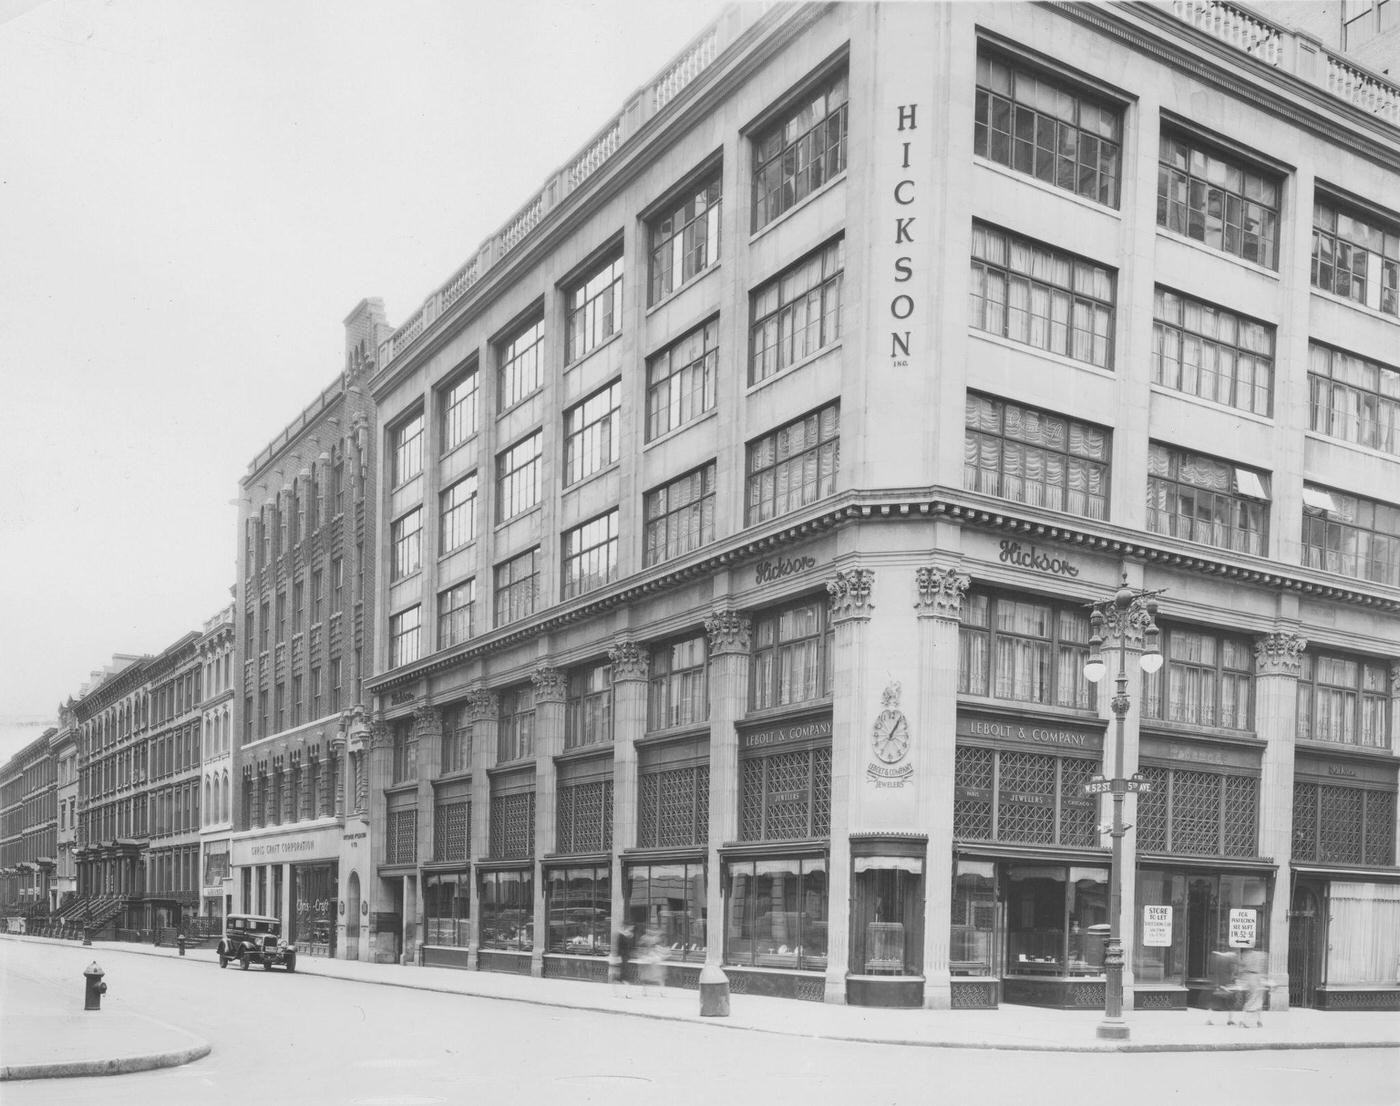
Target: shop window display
<point>1056,920</point>
<point>776,914</point>
<point>507,910</point>
<point>578,905</point>
<point>669,901</point>
<point>975,942</point>
<point>447,908</point>
<point>886,929</point>
<point>1201,904</point>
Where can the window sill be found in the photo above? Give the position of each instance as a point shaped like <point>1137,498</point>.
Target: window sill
<point>1044,354</point>
<point>395,582</point>
<point>446,553</point>
<point>1318,745</point>
<point>712,413</point>
<point>470,440</point>
<point>536,509</point>
<point>569,366</point>
<point>1210,404</point>
<point>1049,189</point>
<point>1246,738</point>
<point>789,370</point>
<point>597,474</point>
<point>689,284</point>
<point>1344,301</point>
<point>1356,447</point>
<point>1244,262</point>
<point>779,220</point>
<point>519,403</point>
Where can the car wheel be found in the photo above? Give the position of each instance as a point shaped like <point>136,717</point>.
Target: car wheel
<point>244,961</point>
<point>223,960</point>
<point>291,963</point>
<point>267,965</point>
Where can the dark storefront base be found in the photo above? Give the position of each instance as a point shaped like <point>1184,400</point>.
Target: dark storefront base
<point>979,993</point>
<point>1358,998</point>
<point>810,988</point>
<point>439,956</point>
<point>900,992</point>
<point>516,962</point>
<point>1058,994</point>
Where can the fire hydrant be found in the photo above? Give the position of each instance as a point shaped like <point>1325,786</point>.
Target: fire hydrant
<point>180,941</point>
<point>95,987</point>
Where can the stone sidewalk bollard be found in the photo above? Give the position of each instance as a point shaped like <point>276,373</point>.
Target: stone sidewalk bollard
<point>714,992</point>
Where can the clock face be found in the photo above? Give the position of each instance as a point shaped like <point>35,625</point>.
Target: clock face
<point>891,739</point>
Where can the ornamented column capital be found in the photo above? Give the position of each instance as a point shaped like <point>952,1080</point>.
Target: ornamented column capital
<point>849,592</point>
<point>550,685</point>
<point>940,592</point>
<point>1279,653</point>
<point>629,661</point>
<point>1395,679</point>
<point>481,705</point>
<point>729,632</point>
<point>380,736</point>
<point>427,723</point>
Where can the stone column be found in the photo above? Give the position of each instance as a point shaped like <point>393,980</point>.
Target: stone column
<point>381,756</point>
<point>629,680</point>
<point>325,781</point>
<point>851,608</point>
<point>305,799</point>
<point>338,762</point>
<point>938,606</point>
<point>551,692</point>
<point>1277,665</point>
<point>483,718</point>
<point>729,637</point>
<point>285,793</point>
<point>427,730</point>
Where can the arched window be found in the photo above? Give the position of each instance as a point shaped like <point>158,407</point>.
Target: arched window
<point>208,799</point>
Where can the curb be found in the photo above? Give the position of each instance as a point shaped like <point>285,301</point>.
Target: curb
<point>127,1064</point>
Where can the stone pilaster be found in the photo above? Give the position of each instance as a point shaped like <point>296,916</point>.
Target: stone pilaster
<point>483,718</point>
<point>551,694</point>
<point>1393,737</point>
<point>938,603</point>
<point>629,679</point>
<point>285,788</point>
<point>850,604</point>
<point>1278,662</point>
<point>427,731</point>
<point>304,797</point>
<point>381,767</point>
<point>729,638</point>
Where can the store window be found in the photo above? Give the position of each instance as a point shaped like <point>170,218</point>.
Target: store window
<point>1354,399</point>
<point>1207,351</point>
<point>1021,796</point>
<point>1351,535</point>
<point>1201,908</point>
<point>1345,700</point>
<point>1203,499</point>
<point>974,947</point>
<point>1024,651</point>
<point>777,913</point>
<point>1056,920</point>
<point>792,655</point>
<point>447,909</point>
<point>508,910</point>
<point>684,237</point>
<point>1218,199</point>
<point>668,900</point>
<point>887,900</point>
<point>1369,915</point>
<point>1206,679</point>
<point>1343,825</point>
<point>1198,813</point>
<point>578,906</point>
<point>1047,128</point>
<point>1356,255</point>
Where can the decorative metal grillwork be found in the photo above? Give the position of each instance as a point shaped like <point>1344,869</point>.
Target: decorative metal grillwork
<point>674,813</point>
<point>1380,827</point>
<point>821,793</point>
<point>513,826</point>
<point>751,813</point>
<point>973,996</point>
<point>702,816</point>
<point>1153,1000</point>
<point>647,788</point>
<point>452,831</point>
<point>1086,996</point>
<point>402,844</point>
<point>1305,821</point>
<point>1241,816</point>
<point>810,990</point>
<point>973,772</point>
<point>1339,829</point>
<point>1026,797</point>
<point>564,819</point>
<point>1152,810</point>
<point>1078,812</point>
<point>1195,811</point>
<point>584,817</point>
<point>786,796</point>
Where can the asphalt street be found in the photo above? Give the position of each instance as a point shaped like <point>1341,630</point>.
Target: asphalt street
<point>280,1038</point>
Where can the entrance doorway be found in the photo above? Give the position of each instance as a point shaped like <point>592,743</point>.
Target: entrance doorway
<point>1304,945</point>
<point>352,917</point>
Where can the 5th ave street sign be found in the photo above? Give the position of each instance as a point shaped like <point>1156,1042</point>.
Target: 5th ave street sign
<point>1097,785</point>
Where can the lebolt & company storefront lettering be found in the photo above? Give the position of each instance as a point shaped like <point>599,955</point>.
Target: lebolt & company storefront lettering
<point>1040,735</point>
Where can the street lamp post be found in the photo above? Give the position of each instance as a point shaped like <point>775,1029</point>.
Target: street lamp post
<point>1130,611</point>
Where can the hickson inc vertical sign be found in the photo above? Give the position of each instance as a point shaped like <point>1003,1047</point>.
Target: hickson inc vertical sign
<point>906,297</point>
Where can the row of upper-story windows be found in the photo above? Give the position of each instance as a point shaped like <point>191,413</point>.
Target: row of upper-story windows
<point>1048,460</point>
<point>309,502</point>
<point>277,619</point>
<point>218,673</point>
<point>1049,127</point>
<point>300,699</point>
<point>176,697</point>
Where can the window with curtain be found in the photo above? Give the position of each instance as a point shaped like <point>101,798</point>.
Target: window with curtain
<point>1206,679</point>
<point>1025,651</point>
<point>588,716</point>
<point>679,516</point>
<point>793,466</point>
<point>1351,535</point>
<point>1202,499</point>
<point>1368,917</point>
<point>1345,700</point>
<point>1207,351</point>
<point>678,684</point>
<point>515,734</point>
<point>1354,399</point>
<point>792,655</point>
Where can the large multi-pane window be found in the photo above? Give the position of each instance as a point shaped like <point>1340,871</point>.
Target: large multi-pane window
<point>588,714</point>
<point>1345,700</point>
<point>1201,813</point>
<point>406,450</point>
<point>1356,255</point>
<point>508,898</point>
<point>1040,296</point>
<point>1206,679</point>
<point>456,611</point>
<point>1351,535</point>
<point>1023,795</point>
<point>447,904</point>
<point>405,751</point>
<point>678,685</point>
<point>681,380</point>
<point>1218,199</point>
<point>801,150</point>
<point>684,238</point>
<point>404,636</point>
<point>515,720</point>
<point>456,742</point>
<point>669,900</point>
<point>777,913</point>
<point>1035,457</point>
<point>517,587</point>
<point>1354,399</point>
<point>796,313</point>
<point>592,433</point>
<point>518,477</point>
<point>406,538</point>
<point>592,309</point>
<point>1206,351</point>
<point>1048,129</point>
<point>793,466</point>
<point>458,406</point>
<point>518,365</point>
<point>457,514</point>
<point>679,516</point>
<point>792,655</point>
<point>1333,824</point>
<point>578,910</point>
<point>1024,650</point>
<point>590,555</point>
<point>1205,500</point>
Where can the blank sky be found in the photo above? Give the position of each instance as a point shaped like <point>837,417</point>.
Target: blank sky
<point>193,195</point>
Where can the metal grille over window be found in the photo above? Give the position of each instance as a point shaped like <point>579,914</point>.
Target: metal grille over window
<point>1344,700</point>
<point>402,844</point>
<point>787,796</point>
<point>513,826</point>
<point>673,808</point>
<point>1343,825</point>
<point>1034,798</point>
<point>584,817</point>
<point>452,831</point>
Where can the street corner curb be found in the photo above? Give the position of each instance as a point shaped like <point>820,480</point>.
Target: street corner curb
<point>125,1065</point>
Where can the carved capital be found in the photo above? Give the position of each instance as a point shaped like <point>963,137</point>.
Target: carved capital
<point>550,685</point>
<point>427,724</point>
<point>729,632</point>
<point>629,661</point>
<point>1395,679</point>
<point>940,592</point>
<point>849,591</point>
<point>481,705</point>
<point>1279,653</point>
<point>380,736</point>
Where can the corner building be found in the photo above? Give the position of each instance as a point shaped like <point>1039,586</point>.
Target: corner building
<point>743,501</point>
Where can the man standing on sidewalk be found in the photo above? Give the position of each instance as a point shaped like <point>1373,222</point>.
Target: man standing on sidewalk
<point>1224,970</point>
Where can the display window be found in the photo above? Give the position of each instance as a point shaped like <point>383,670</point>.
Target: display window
<point>887,915</point>
<point>578,906</point>
<point>1056,919</point>
<point>508,910</point>
<point>975,941</point>
<point>447,908</point>
<point>1203,909</point>
<point>669,901</point>
<point>776,913</point>
<point>313,908</point>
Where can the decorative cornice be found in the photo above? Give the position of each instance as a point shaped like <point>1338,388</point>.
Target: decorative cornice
<point>550,685</point>
<point>849,594</point>
<point>940,592</point>
<point>629,661</point>
<point>729,632</point>
<point>1279,653</point>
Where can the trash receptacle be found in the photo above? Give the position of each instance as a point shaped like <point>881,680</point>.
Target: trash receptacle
<point>714,992</point>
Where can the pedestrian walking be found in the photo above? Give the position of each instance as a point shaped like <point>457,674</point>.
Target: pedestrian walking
<point>1224,981</point>
<point>1254,981</point>
<point>651,963</point>
<point>618,958</point>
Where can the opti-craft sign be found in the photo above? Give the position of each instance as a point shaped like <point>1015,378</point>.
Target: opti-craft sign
<point>282,848</point>
<point>779,735</point>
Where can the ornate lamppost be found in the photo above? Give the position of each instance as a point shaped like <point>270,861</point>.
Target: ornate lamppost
<point>1131,612</point>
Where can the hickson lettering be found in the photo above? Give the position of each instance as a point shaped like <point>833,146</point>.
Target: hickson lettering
<point>768,571</point>
<point>902,304</point>
<point>1013,553</point>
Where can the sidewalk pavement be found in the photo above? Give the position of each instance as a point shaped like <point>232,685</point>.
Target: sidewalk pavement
<point>89,1045</point>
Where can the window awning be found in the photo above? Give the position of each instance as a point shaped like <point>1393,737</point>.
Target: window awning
<point>1318,499</point>
<point>911,864</point>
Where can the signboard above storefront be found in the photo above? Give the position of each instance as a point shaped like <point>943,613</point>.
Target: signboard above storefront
<point>1030,732</point>
<point>783,733</point>
<point>285,848</point>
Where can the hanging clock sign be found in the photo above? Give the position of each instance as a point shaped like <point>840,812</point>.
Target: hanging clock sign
<point>889,741</point>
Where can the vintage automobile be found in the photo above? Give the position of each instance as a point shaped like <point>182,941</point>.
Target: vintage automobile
<point>255,939</point>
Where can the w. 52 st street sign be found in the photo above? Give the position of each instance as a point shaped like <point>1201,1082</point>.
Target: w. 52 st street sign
<point>1097,785</point>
